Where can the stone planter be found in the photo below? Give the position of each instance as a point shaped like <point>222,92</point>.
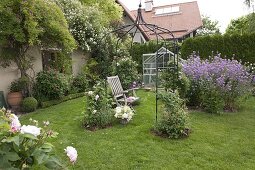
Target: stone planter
<point>123,121</point>
<point>14,99</point>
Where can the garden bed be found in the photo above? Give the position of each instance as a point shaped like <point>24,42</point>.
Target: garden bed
<point>62,99</point>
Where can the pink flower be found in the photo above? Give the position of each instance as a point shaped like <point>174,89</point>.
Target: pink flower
<point>15,124</point>
<point>71,153</point>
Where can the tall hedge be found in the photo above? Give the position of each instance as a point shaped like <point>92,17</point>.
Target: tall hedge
<point>241,47</point>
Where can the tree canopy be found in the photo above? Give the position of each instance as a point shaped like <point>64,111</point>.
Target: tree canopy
<point>209,27</point>
<point>84,22</point>
<point>111,11</point>
<point>31,23</point>
<point>242,25</point>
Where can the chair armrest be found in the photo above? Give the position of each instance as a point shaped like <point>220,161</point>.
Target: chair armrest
<point>126,91</point>
<point>133,91</point>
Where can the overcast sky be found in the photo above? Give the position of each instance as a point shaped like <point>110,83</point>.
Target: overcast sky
<point>220,10</point>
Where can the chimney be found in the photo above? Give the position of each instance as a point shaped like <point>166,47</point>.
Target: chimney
<point>148,5</point>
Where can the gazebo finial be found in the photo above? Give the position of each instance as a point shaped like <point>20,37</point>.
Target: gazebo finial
<point>140,5</point>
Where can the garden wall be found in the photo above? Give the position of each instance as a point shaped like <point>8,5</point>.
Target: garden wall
<point>78,61</point>
<point>7,75</point>
<point>241,47</point>
<point>11,73</point>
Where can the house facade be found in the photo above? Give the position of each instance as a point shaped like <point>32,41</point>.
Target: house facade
<point>12,73</point>
<point>182,19</point>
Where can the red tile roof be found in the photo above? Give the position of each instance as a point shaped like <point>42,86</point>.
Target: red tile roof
<point>181,23</point>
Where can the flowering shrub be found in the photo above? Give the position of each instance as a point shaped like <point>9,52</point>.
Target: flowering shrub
<point>79,83</point>
<point>84,22</point>
<point>172,80</point>
<point>25,146</point>
<point>174,120</point>
<point>124,113</point>
<point>98,112</point>
<point>251,69</point>
<point>126,69</point>
<point>228,78</point>
<point>51,85</point>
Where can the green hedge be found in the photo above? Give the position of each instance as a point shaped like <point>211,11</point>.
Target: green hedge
<point>63,99</point>
<point>241,47</point>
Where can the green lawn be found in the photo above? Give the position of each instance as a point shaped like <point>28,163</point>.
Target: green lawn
<point>217,141</point>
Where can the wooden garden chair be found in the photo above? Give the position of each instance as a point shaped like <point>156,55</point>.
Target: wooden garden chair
<point>119,94</point>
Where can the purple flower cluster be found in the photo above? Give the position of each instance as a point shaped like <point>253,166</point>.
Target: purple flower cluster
<point>225,74</point>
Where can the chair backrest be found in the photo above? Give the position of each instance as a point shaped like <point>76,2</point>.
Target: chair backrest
<point>116,86</point>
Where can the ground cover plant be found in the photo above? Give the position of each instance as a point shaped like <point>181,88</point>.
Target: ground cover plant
<point>223,141</point>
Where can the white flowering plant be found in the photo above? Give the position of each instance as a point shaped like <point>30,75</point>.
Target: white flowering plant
<point>126,69</point>
<point>124,113</point>
<point>98,113</point>
<point>25,146</point>
<point>84,22</point>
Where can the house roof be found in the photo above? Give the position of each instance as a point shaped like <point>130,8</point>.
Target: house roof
<point>181,23</point>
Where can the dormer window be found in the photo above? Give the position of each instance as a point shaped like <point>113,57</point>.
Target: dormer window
<point>168,10</point>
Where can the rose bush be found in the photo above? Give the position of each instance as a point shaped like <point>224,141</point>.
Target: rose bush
<point>25,147</point>
<point>126,69</point>
<point>98,113</point>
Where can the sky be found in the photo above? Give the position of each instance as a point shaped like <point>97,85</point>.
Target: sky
<point>220,10</point>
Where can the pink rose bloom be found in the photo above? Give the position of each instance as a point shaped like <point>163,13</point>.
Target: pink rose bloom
<point>15,124</point>
<point>71,153</point>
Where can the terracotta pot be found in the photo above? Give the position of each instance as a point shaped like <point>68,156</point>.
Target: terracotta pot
<point>14,99</point>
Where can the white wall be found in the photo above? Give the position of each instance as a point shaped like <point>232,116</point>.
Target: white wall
<point>78,61</point>
<point>9,74</point>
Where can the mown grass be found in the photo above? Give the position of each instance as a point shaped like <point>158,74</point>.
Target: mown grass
<point>217,141</point>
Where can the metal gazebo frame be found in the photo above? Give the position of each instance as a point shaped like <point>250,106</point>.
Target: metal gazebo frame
<point>143,27</point>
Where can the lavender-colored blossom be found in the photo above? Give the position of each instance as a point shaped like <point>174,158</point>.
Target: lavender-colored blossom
<point>225,74</point>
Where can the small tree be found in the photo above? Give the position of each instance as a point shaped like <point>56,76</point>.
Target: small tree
<point>242,25</point>
<point>210,27</point>
<point>237,26</point>
<point>109,9</point>
<point>27,23</point>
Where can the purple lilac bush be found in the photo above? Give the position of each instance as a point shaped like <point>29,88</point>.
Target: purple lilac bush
<point>228,78</point>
